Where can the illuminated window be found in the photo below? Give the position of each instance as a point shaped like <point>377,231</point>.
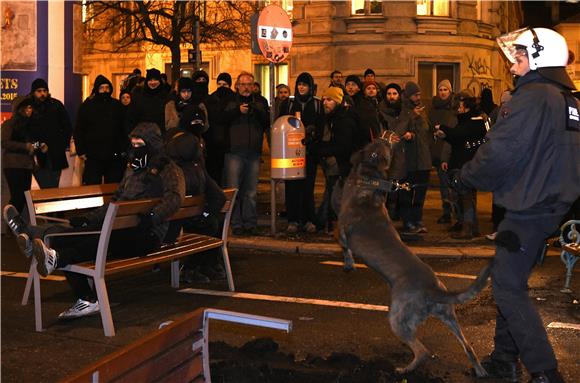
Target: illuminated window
<point>366,7</point>
<point>433,7</point>
<point>287,5</point>
<point>262,75</point>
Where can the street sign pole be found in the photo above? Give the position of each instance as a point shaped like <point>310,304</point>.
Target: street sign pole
<point>272,181</point>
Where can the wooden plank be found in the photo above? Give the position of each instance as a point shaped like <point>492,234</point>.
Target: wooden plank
<point>70,205</point>
<point>134,354</point>
<point>39,195</point>
<point>572,248</point>
<point>186,372</point>
<point>164,364</point>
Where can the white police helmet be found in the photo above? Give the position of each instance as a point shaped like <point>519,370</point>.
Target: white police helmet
<point>546,49</point>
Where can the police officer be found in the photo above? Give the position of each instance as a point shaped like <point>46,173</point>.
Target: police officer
<point>531,164</point>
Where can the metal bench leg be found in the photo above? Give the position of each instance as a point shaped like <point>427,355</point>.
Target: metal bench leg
<point>29,280</point>
<point>228,268</point>
<point>37,300</point>
<point>175,274</point>
<point>106,316</point>
<point>569,260</point>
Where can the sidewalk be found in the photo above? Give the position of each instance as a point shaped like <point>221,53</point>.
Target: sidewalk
<point>436,243</point>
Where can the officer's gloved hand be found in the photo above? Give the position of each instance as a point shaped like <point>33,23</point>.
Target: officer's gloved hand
<point>455,182</point>
<point>79,222</point>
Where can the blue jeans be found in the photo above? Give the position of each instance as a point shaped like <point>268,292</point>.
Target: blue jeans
<point>241,171</point>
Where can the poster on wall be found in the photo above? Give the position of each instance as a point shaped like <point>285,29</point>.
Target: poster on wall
<point>18,35</point>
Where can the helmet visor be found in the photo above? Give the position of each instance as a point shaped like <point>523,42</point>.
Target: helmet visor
<point>507,44</point>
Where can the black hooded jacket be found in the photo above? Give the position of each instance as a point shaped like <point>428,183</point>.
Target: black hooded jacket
<point>342,126</point>
<point>465,138</point>
<point>310,108</point>
<point>162,179</point>
<point>147,105</point>
<point>99,131</point>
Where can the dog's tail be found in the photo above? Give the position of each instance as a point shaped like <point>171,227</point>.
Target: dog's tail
<point>451,297</point>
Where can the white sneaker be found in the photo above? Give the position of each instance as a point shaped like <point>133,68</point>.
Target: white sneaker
<point>46,257</point>
<point>81,308</point>
<point>491,236</point>
<point>24,244</point>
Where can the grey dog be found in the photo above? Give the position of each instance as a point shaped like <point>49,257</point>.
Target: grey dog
<point>365,230</point>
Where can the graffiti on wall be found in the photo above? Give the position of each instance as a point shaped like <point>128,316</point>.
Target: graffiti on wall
<point>480,73</point>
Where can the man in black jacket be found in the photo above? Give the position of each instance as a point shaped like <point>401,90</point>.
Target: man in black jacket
<point>147,104</point>
<point>248,119</point>
<point>530,163</point>
<point>99,135</point>
<point>49,124</point>
<point>150,174</point>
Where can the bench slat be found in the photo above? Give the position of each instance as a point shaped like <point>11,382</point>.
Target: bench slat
<point>131,356</point>
<point>71,205</point>
<point>40,195</point>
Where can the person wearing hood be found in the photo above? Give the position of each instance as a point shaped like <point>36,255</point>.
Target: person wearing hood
<point>18,151</point>
<point>50,124</point>
<point>141,181</point>
<point>99,135</point>
<point>215,137</point>
<point>184,147</point>
<point>282,94</point>
<point>248,119</point>
<point>401,126</point>
<point>530,163</point>
<point>417,160</point>
<point>300,206</point>
<point>354,90</point>
<point>487,105</point>
<point>148,105</point>
<point>443,112</point>
<point>465,140</point>
<point>177,102</point>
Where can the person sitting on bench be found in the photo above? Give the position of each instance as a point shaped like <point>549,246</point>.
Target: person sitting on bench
<point>184,146</point>
<point>150,174</point>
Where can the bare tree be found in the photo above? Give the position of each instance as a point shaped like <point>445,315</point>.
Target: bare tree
<point>125,24</point>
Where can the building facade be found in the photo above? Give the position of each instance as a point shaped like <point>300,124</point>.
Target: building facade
<point>423,41</point>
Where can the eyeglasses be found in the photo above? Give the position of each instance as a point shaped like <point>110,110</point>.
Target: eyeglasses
<point>246,84</point>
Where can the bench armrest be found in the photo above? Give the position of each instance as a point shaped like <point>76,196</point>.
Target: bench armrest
<point>47,218</point>
<point>248,319</point>
<point>48,236</point>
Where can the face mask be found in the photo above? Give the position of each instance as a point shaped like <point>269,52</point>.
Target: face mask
<point>139,158</point>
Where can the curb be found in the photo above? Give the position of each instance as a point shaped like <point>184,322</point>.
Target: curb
<point>305,248</point>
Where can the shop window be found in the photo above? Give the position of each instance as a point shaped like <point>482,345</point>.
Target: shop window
<point>433,7</point>
<point>366,7</point>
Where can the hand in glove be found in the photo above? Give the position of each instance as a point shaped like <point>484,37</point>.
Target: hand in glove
<point>455,182</point>
<point>146,221</point>
<point>79,222</point>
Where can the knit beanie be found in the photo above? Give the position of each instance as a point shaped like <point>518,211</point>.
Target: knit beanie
<point>153,74</point>
<point>411,89</point>
<point>445,83</point>
<point>395,86</point>
<point>334,93</point>
<point>369,71</point>
<point>225,77</point>
<point>354,78</point>
<point>184,83</point>
<point>466,94</point>
<point>200,73</point>
<point>39,83</point>
<point>369,83</point>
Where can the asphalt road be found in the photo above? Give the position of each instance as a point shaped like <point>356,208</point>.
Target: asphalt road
<point>340,339</point>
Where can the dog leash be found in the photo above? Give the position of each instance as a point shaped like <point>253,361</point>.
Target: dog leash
<point>383,185</point>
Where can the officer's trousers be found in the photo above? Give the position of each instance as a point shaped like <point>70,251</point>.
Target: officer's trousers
<point>519,328</point>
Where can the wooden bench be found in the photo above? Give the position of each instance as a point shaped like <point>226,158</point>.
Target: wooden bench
<point>122,215</point>
<point>570,241</point>
<point>177,352</point>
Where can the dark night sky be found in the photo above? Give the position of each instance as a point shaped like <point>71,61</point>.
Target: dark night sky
<point>538,13</point>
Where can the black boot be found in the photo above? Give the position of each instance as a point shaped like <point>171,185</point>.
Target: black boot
<point>549,376</point>
<point>499,369</point>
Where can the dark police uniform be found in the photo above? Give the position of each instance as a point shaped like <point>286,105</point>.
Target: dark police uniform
<point>532,164</point>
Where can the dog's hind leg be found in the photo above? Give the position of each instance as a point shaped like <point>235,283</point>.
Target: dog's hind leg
<point>446,313</point>
<point>405,329</point>
<point>346,252</point>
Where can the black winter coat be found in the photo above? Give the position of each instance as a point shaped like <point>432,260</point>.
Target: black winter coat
<point>215,137</point>
<point>99,131</point>
<point>531,158</point>
<point>398,123</point>
<point>343,128</point>
<point>147,105</point>
<point>465,138</point>
<point>370,122</point>
<point>51,124</point>
<point>245,132</point>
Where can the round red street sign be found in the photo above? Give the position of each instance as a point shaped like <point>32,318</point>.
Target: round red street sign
<point>274,33</point>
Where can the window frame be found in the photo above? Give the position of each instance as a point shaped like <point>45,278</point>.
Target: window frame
<point>431,8</point>
<point>366,8</point>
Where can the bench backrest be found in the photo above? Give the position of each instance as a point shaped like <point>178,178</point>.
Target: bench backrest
<point>171,354</point>
<point>56,200</point>
<point>125,214</point>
